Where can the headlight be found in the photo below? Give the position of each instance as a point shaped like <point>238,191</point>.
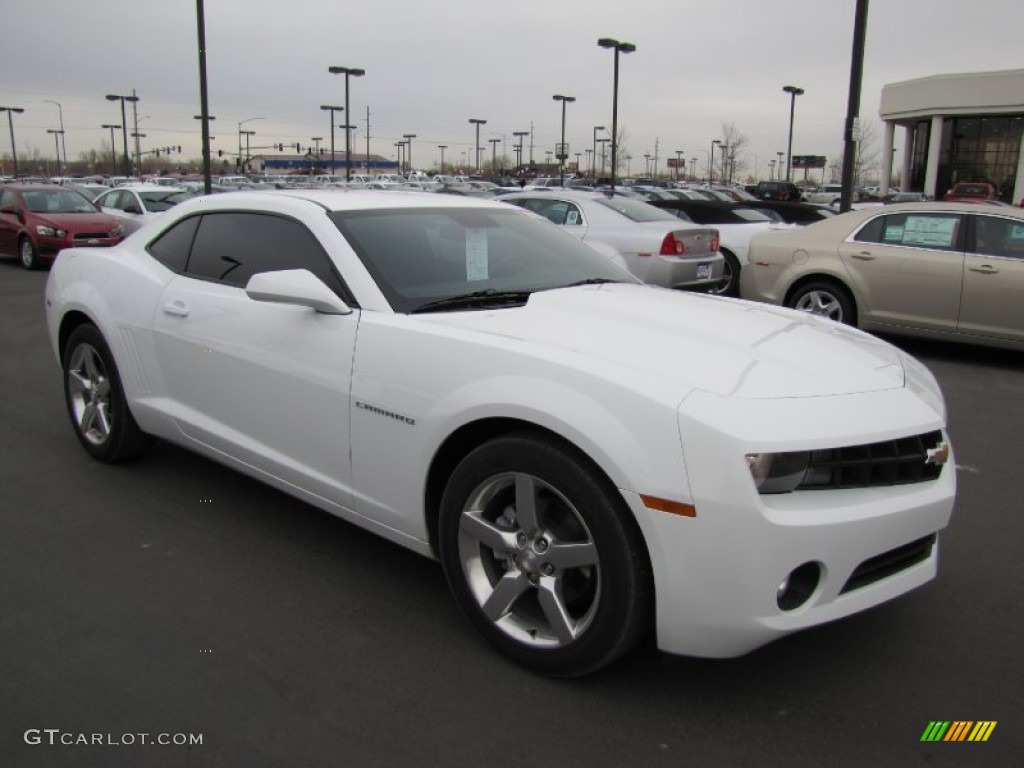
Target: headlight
<point>49,231</point>
<point>778,472</point>
<point>117,231</point>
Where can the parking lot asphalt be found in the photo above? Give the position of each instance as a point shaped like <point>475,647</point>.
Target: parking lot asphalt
<point>174,596</point>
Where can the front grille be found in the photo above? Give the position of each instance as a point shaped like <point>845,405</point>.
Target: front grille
<point>892,462</point>
<point>92,236</point>
<point>889,563</point>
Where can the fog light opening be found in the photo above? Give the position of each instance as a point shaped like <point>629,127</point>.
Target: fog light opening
<point>797,588</point>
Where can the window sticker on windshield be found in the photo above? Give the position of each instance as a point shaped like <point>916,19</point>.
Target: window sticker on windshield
<point>572,217</point>
<point>476,254</point>
<point>929,231</point>
<point>1017,232</point>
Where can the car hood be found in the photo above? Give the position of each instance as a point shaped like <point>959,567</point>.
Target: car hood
<point>77,222</point>
<point>718,345</point>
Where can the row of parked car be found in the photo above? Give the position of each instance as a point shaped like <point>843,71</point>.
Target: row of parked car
<point>885,268</point>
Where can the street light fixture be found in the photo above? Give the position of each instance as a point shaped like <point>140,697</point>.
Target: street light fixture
<point>618,47</point>
<point>247,133</point>
<point>348,72</point>
<point>603,142</point>
<point>124,127</point>
<point>113,148</point>
<point>332,110</point>
<point>562,152</point>
<point>793,92</point>
<point>477,122</point>
<point>442,147</point>
<point>60,114</point>
<point>711,161</point>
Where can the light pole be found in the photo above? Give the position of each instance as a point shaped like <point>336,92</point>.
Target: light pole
<point>138,150</point>
<point>408,156</point>
<point>240,132</point>
<point>442,147</point>
<point>603,142</point>
<point>519,148</point>
<point>316,150</point>
<point>494,155</point>
<point>647,164</point>
<point>244,163</point>
<point>724,147</point>
<point>679,155</point>
<point>693,168</point>
<point>124,127</point>
<point>60,114</point>
<point>56,147</point>
<point>778,167</point>
<point>206,137</point>
<point>562,152</point>
<point>332,110</point>
<point>348,72</point>
<point>793,92</point>
<point>593,157</point>
<point>771,170</point>
<point>113,148</point>
<point>711,162</point>
<point>477,122</point>
<point>618,47</point>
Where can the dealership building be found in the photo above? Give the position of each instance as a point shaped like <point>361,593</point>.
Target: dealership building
<point>958,127</point>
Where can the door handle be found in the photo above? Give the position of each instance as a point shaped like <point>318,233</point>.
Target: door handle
<point>864,256</point>
<point>176,308</point>
<point>984,269</point>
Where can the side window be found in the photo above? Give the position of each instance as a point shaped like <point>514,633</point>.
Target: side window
<point>935,231</point>
<point>172,247</point>
<point>113,200</point>
<point>232,247</point>
<point>7,198</point>
<point>996,236</point>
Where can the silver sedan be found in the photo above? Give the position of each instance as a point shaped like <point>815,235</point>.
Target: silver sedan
<point>654,245</point>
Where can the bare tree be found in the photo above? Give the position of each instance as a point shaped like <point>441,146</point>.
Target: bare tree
<point>866,165</point>
<point>734,160</point>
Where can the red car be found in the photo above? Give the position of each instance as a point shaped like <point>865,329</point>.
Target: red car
<point>38,220</point>
<point>971,191</point>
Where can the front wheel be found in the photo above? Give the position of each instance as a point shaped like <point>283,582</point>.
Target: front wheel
<point>541,556</point>
<point>27,254</point>
<point>95,399</point>
<point>825,299</point>
<point>730,285</point>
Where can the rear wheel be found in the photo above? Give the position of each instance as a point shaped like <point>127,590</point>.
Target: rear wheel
<point>541,556</point>
<point>730,277</point>
<point>825,299</point>
<point>95,399</point>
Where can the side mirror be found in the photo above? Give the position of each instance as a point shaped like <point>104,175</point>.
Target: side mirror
<point>296,286</point>
<point>133,209</point>
<point>11,210</point>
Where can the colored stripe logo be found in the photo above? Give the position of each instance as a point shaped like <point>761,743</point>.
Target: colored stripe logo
<point>958,730</point>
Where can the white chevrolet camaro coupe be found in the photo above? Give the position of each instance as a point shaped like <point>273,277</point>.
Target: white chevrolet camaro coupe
<point>589,458</point>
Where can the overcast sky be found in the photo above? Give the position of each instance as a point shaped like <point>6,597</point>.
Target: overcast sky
<point>430,66</point>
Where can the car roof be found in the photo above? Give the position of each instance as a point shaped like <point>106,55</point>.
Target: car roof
<point>341,199</point>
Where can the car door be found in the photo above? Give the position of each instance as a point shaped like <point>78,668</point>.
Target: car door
<point>266,384</point>
<point>907,269</point>
<point>994,278</point>
<point>9,222</point>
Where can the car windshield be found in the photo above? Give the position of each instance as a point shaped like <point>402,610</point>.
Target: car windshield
<point>751,215</point>
<point>421,256</point>
<point>57,201</point>
<point>635,210</point>
<point>164,199</point>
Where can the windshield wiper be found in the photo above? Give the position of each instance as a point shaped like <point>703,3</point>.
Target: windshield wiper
<point>476,299</point>
<point>591,281</point>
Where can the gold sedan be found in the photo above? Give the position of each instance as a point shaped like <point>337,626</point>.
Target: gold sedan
<point>947,270</point>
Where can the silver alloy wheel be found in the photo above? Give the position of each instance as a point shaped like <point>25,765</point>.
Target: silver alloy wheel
<point>28,254</point>
<point>725,286</point>
<point>822,303</point>
<point>89,394</point>
<point>529,559</point>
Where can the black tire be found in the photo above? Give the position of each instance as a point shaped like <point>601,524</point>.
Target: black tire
<point>28,256</point>
<point>825,298</point>
<point>542,556</point>
<point>95,399</point>
<point>731,287</point>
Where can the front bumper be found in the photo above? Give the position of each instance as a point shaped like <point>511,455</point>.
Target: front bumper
<point>717,575</point>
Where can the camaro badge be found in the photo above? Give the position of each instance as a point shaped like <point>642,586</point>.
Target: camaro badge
<point>938,455</point>
<point>390,414</point>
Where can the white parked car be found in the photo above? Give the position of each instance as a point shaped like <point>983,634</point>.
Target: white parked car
<point>652,244</point>
<point>590,458</point>
<point>139,204</point>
